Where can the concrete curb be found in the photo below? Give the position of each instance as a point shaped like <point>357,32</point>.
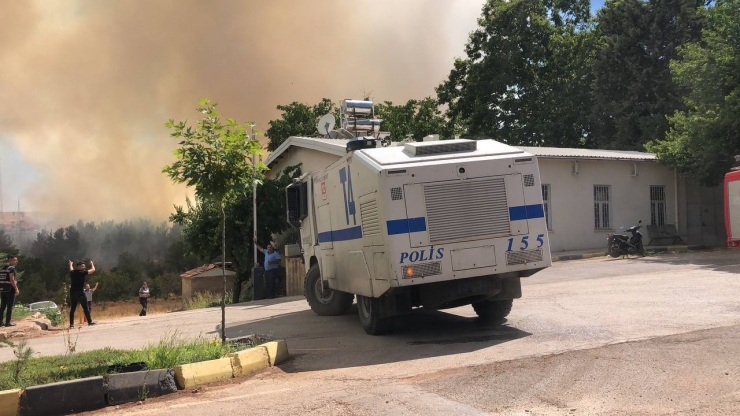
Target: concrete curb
<point>188,376</point>
<point>277,350</point>
<point>249,361</point>
<point>64,397</point>
<point>670,249</point>
<point>139,385</point>
<point>10,402</point>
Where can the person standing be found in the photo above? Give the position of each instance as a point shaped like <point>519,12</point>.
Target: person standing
<point>143,298</point>
<point>88,295</point>
<point>8,290</point>
<point>77,291</point>
<point>272,262</point>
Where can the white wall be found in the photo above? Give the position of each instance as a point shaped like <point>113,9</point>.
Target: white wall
<point>572,198</point>
<point>311,159</point>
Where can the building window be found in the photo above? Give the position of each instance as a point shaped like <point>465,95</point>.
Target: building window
<point>657,205</point>
<point>602,208</point>
<point>546,204</point>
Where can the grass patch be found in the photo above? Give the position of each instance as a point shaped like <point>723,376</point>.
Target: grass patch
<point>170,351</point>
<point>205,300</point>
<point>20,312</point>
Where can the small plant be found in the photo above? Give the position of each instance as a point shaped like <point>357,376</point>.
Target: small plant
<point>22,353</point>
<point>143,393</point>
<point>70,346</point>
<point>54,317</point>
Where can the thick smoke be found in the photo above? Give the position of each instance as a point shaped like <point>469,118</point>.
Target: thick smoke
<point>85,86</point>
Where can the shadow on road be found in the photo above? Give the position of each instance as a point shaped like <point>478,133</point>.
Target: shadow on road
<point>718,260</point>
<point>329,342</point>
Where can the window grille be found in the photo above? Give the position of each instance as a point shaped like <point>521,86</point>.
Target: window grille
<point>657,205</point>
<point>602,207</point>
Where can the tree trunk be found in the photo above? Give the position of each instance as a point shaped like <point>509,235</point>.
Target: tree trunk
<point>223,273</point>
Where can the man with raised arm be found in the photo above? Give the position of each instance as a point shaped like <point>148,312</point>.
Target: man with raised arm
<point>77,291</point>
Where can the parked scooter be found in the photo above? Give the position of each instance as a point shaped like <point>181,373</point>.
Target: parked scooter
<point>622,245</point>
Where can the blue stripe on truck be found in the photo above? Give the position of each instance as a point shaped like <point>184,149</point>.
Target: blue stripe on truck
<point>406,225</point>
<point>526,212</point>
<point>345,234</point>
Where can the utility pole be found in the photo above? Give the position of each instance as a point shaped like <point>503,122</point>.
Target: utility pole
<point>254,198</point>
<point>1,188</point>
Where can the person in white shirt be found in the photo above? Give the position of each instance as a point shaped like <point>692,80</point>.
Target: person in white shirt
<point>143,298</point>
<point>88,295</point>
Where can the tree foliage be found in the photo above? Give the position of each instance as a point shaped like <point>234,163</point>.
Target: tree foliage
<point>633,87</point>
<point>298,119</point>
<point>704,138</point>
<point>525,79</point>
<point>415,119</point>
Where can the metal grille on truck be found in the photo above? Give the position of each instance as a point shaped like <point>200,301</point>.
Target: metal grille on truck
<point>466,210</point>
<point>421,270</point>
<point>523,257</point>
<point>441,148</point>
<point>396,194</point>
<point>529,180</point>
<point>369,216</point>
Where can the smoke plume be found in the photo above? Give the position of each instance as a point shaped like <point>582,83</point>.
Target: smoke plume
<point>85,86</point>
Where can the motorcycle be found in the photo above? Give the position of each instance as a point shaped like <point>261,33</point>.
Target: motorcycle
<point>621,245</point>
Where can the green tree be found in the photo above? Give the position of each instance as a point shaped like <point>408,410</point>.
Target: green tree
<point>199,219</point>
<point>415,119</point>
<point>525,79</point>
<point>704,138</point>
<point>633,88</point>
<point>6,243</point>
<point>213,157</point>
<point>298,119</point>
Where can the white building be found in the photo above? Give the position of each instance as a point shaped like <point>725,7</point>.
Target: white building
<point>587,193</point>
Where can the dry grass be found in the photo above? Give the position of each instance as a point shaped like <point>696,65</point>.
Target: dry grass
<point>110,310</point>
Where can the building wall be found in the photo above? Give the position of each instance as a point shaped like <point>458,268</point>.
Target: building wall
<point>311,160</point>
<point>572,198</point>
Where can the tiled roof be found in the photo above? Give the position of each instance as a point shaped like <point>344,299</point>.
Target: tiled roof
<point>204,268</point>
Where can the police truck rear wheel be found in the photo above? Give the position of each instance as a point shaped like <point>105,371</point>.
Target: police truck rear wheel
<point>493,310</point>
<point>325,301</point>
<point>367,308</point>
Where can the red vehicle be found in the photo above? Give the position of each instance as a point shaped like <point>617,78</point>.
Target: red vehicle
<point>732,208</point>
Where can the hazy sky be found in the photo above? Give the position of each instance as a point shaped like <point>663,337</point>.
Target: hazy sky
<point>85,86</point>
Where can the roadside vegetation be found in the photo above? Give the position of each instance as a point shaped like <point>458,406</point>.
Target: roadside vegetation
<point>170,351</point>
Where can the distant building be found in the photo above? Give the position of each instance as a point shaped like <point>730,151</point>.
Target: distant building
<point>20,226</point>
<point>586,193</point>
<point>206,278</point>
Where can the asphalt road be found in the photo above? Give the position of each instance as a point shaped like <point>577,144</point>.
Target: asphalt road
<point>656,335</point>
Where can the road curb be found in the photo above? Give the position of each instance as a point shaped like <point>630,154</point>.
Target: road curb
<point>196,374</point>
<point>139,385</point>
<point>249,361</point>
<point>64,397</point>
<point>659,250</point>
<point>10,402</point>
<point>277,350</point>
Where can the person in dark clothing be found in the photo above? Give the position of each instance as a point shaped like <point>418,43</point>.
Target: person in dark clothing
<point>77,291</point>
<point>143,298</point>
<point>8,290</point>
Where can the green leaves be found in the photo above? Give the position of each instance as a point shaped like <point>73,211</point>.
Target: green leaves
<point>298,119</point>
<point>214,157</point>
<point>415,119</point>
<point>704,137</point>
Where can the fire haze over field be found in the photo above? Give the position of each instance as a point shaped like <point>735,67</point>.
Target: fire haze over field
<point>85,86</point>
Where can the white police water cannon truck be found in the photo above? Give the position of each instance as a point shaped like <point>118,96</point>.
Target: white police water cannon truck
<point>435,224</point>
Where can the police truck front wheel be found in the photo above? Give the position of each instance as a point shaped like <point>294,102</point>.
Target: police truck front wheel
<point>325,301</point>
<point>367,308</point>
<point>493,310</point>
